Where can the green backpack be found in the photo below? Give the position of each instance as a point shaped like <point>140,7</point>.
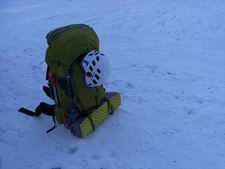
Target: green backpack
<point>79,107</point>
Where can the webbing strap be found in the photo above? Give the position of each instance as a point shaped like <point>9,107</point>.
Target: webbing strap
<point>49,130</point>
<point>92,122</point>
<point>48,92</point>
<point>29,112</point>
<point>110,107</point>
<point>45,108</point>
<point>42,108</point>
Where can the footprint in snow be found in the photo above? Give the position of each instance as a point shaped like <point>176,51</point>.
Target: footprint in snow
<point>33,67</point>
<point>171,73</point>
<point>129,85</point>
<point>134,65</point>
<point>112,154</point>
<point>153,69</point>
<point>189,112</point>
<point>5,70</point>
<point>172,132</point>
<point>141,100</point>
<point>72,150</point>
<point>200,101</point>
<point>28,51</point>
<point>2,51</point>
<point>53,17</point>
<point>53,166</point>
<point>96,156</point>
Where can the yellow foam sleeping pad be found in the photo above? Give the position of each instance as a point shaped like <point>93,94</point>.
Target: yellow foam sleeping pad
<point>85,125</point>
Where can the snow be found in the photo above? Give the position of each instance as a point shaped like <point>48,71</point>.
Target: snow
<point>167,60</point>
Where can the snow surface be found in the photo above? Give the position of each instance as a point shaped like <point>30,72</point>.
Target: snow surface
<point>167,60</point>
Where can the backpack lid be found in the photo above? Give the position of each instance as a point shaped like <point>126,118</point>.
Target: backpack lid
<point>66,44</point>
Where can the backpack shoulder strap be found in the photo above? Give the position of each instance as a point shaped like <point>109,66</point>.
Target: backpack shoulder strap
<point>42,108</point>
